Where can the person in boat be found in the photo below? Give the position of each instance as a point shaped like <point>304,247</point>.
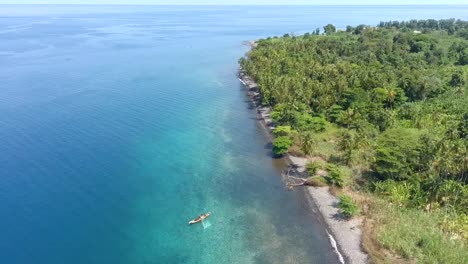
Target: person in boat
<point>200,218</point>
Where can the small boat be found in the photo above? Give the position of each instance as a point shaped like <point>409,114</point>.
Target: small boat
<point>199,219</point>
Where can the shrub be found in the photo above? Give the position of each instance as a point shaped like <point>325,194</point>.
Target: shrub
<point>313,167</point>
<point>329,29</point>
<point>318,123</point>
<point>397,154</point>
<point>397,192</point>
<point>308,142</point>
<point>455,224</point>
<point>282,131</point>
<point>307,122</point>
<point>347,206</point>
<point>281,145</point>
<point>335,175</point>
<point>347,144</point>
<point>452,194</point>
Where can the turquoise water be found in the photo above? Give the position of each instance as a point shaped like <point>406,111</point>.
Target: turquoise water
<point>119,124</point>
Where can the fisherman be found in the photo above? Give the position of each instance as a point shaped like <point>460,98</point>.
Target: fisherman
<point>200,218</point>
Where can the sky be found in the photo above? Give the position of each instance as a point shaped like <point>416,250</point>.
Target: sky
<point>241,2</point>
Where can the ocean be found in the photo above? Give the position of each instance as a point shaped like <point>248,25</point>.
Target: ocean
<point>119,124</point>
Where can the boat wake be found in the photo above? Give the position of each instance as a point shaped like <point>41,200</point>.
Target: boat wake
<point>206,224</point>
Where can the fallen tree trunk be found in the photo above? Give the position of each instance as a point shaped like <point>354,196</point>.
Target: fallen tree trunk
<point>292,182</point>
<point>301,182</point>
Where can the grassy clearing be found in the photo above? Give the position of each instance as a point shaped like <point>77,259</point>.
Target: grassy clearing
<point>415,235</point>
<point>325,142</point>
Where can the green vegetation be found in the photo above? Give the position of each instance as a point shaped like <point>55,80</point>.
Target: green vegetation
<point>347,206</point>
<point>317,181</point>
<point>385,104</point>
<point>283,131</point>
<point>413,234</point>
<point>313,167</point>
<point>281,145</point>
<point>335,175</point>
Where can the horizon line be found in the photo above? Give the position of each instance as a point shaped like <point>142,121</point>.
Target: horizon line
<point>202,4</point>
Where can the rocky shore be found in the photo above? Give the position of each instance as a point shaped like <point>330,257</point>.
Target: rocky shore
<point>345,235</point>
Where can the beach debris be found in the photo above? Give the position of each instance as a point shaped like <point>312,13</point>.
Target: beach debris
<point>292,181</point>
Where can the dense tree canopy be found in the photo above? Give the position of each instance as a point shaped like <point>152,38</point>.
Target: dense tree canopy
<point>397,90</point>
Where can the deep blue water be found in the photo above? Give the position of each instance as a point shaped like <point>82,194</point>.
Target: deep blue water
<point>118,124</point>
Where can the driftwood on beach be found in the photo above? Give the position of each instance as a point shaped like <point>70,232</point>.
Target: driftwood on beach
<point>347,233</point>
<point>264,116</point>
<point>292,181</point>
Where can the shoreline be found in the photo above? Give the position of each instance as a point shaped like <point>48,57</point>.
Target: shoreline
<point>345,236</point>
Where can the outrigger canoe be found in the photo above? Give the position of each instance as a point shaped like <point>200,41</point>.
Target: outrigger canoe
<point>199,219</point>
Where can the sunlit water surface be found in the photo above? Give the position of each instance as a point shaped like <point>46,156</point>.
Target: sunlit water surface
<point>118,124</point>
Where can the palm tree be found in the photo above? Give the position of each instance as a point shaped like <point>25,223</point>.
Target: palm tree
<point>347,144</point>
<point>347,117</point>
<point>391,95</point>
<point>307,142</point>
